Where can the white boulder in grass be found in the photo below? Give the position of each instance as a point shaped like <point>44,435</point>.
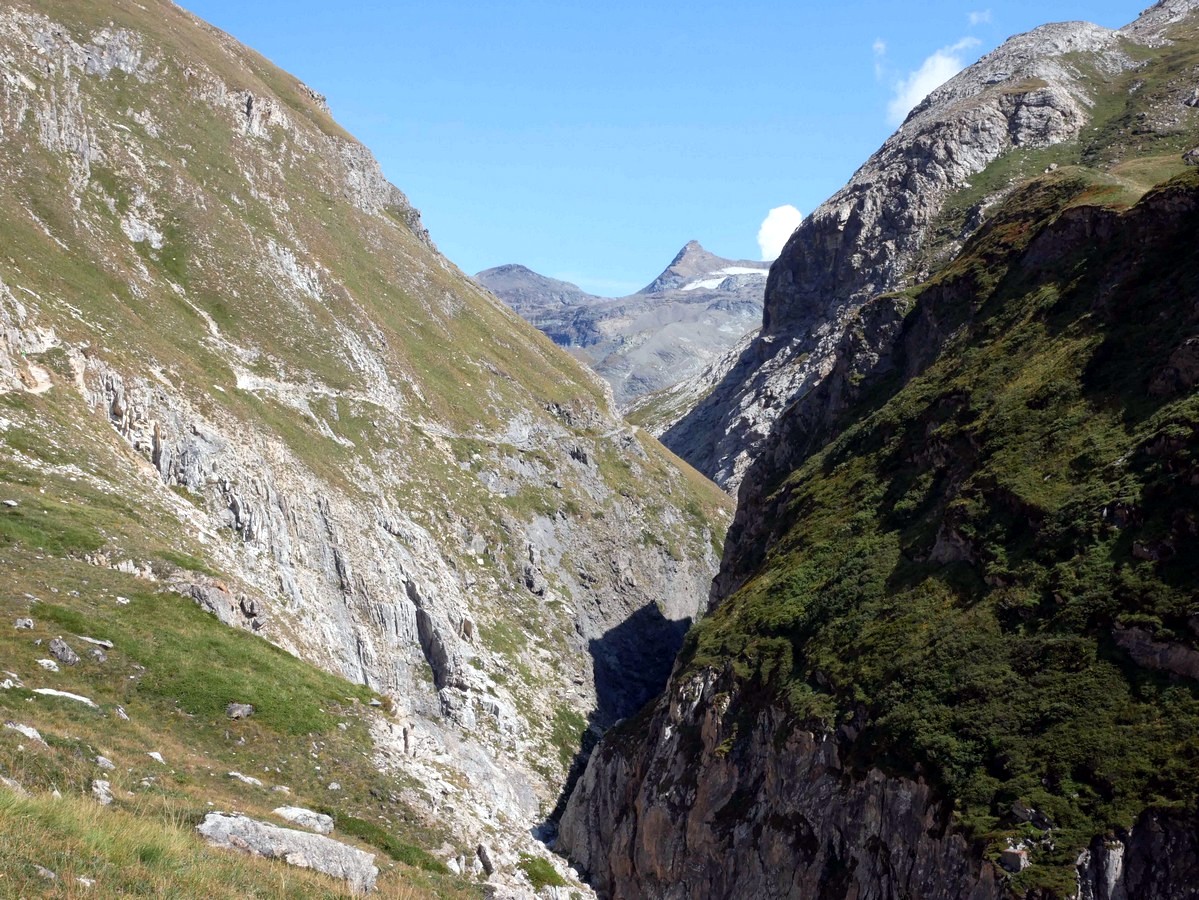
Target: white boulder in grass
<point>297,848</point>
<point>66,695</point>
<point>306,818</point>
<point>28,730</point>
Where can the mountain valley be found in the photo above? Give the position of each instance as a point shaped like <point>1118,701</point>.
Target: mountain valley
<point>326,573</point>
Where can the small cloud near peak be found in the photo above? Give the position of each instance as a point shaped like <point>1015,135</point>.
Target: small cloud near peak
<point>980,17</point>
<point>931,74</point>
<point>776,228</point>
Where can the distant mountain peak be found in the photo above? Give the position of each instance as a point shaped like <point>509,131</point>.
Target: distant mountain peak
<point>691,264</point>
<point>527,291</point>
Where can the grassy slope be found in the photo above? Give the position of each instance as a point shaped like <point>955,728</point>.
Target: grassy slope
<point>997,676</point>
<point>460,362</point>
<point>457,360</point>
<point>173,669</point>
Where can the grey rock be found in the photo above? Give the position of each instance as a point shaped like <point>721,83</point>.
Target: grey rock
<point>306,819</point>
<point>297,848</point>
<point>1014,859</point>
<point>486,858</point>
<point>102,791</point>
<point>803,822</point>
<point>1156,859</point>
<point>13,785</point>
<point>45,873</point>
<point>23,624</point>
<point>239,710</point>
<point>98,655</point>
<point>61,651</point>
<point>1176,658</point>
<point>105,763</point>
<point>246,779</point>
<point>27,730</point>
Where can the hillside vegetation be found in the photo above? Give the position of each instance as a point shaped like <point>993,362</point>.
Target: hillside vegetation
<point>990,572</point>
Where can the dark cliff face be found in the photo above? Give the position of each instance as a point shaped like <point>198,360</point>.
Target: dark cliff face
<point>706,796</point>
<point>957,593</point>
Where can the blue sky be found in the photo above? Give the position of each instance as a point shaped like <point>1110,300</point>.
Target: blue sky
<point>590,141</point>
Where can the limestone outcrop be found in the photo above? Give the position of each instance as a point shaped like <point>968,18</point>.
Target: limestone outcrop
<point>297,848</point>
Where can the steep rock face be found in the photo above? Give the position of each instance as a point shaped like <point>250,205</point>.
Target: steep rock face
<point>724,802</point>
<point>392,474</point>
<point>729,785</point>
<point>875,234</point>
<point>721,801</point>
<point>688,317</point>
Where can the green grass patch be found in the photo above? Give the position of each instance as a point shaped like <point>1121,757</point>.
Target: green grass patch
<point>380,837</point>
<point>540,873</point>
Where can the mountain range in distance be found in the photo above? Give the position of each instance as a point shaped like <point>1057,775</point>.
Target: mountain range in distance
<point>691,315</point>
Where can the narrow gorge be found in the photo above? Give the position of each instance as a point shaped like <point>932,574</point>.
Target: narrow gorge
<point>326,573</point>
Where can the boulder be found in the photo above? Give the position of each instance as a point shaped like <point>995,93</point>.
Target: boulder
<point>486,858</point>
<point>28,730</point>
<point>102,791</point>
<point>61,651</point>
<point>297,848</point>
<point>23,624</point>
<point>239,710</point>
<point>306,819</point>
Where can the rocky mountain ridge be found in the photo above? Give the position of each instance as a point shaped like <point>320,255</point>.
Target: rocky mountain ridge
<point>212,303</point>
<point>699,306</point>
<point>909,208</point>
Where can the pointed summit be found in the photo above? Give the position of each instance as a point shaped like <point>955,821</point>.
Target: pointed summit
<point>694,262</point>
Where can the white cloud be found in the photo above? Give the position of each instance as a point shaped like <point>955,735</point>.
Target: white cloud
<point>776,228</point>
<point>933,72</point>
<point>980,17</point>
<point>880,54</point>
